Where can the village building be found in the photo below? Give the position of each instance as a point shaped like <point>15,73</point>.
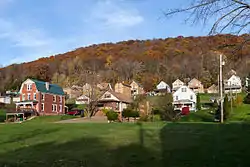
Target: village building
<point>136,88</point>
<point>184,97</point>
<point>196,86</point>
<point>213,89</point>
<point>42,97</point>
<point>123,88</point>
<point>177,84</point>
<point>162,88</point>
<point>83,100</point>
<point>73,91</point>
<point>233,85</point>
<point>114,101</point>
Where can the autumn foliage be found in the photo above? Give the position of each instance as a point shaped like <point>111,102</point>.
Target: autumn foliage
<point>145,61</point>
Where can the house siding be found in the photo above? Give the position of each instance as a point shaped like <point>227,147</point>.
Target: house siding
<point>48,100</point>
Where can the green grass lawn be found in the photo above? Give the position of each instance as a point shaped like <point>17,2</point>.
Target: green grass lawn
<point>124,145</point>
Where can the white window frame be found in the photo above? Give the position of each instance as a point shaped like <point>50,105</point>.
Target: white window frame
<point>29,96</point>
<point>191,97</point>
<point>60,108</point>
<point>54,108</point>
<point>42,106</point>
<point>183,89</point>
<point>34,96</point>
<point>54,98</point>
<point>43,96</point>
<point>176,98</point>
<point>29,87</point>
<point>60,99</point>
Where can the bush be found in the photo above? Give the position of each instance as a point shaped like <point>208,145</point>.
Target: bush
<point>144,118</point>
<point>128,112</point>
<point>156,117</point>
<point>112,115</point>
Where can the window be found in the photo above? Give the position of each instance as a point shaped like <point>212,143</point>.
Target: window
<point>29,87</point>
<point>54,108</point>
<point>184,89</point>
<point>42,106</point>
<point>43,96</point>
<point>107,96</point>
<point>60,99</point>
<point>191,97</point>
<point>28,96</point>
<point>54,98</point>
<point>34,96</point>
<point>60,108</point>
<point>176,97</point>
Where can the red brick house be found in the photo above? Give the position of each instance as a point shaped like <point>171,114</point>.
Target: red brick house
<point>43,97</point>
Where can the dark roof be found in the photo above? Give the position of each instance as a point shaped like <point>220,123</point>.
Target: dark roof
<point>53,89</point>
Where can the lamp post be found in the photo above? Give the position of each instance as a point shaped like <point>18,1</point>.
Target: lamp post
<point>221,89</point>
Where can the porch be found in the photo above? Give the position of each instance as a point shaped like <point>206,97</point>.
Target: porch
<point>28,104</point>
<point>178,105</point>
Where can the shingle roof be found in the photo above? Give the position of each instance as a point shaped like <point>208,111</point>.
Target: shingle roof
<point>53,89</point>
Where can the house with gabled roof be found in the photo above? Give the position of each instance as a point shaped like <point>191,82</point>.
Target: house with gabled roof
<point>184,97</point>
<point>162,88</point>
<point>177,84</point>
<point>136,88</point>
<point>42,97</point>
<point>196,86</point>
<point>114,100</point>
<point>233,84</point>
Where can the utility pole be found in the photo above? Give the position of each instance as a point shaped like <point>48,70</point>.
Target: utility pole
<point>221,90</point>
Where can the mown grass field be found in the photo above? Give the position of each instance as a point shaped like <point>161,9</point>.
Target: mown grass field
<point>43,143</point>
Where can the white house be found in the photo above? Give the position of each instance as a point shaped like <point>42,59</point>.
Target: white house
<point>184,97</point>
<point>177,84</point>
<point>83,100</point>
<point>162,87</point>
<point>5,99</point>
<point>233,84</point>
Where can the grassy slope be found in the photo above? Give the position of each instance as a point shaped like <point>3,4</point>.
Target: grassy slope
<point>147,145</point>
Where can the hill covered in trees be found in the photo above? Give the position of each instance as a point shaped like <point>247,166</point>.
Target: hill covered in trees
<point>146,61</point>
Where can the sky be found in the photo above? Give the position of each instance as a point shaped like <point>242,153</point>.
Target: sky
<point>31,29</point>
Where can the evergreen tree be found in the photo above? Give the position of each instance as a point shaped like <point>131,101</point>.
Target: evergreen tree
<point>226,108</point>
<point>198,103</point>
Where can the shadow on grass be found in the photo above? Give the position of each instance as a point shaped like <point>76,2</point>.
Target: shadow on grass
<point>180,145</point>
<point>29,134</point>
<point>209,145</point>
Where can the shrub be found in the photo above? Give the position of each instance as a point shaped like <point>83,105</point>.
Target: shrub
<point>105,111</point>
<point>112,115</point>
<point>144,118</point>
<point>198,104</point>
<point>156,117</point>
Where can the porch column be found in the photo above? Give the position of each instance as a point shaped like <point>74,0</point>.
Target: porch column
<point>120,106</point>
<point>32,105</point>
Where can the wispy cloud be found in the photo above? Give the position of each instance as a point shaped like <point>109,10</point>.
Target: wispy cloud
<point>116,15</point>
<point>21,35</point>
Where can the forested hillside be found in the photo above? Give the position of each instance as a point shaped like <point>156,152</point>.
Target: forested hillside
<point>145,61</point>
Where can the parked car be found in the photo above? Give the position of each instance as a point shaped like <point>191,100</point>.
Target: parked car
<point>75,112</point>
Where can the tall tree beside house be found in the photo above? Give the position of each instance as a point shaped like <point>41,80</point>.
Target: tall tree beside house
<point>198,103</point>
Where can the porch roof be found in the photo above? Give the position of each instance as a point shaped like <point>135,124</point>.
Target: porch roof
<point>184,101</point>
<point>27,102</point>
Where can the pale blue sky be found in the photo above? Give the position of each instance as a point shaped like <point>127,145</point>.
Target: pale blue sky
<point>30,29</point>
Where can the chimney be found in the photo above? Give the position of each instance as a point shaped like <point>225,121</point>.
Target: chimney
<point>47,85</point>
